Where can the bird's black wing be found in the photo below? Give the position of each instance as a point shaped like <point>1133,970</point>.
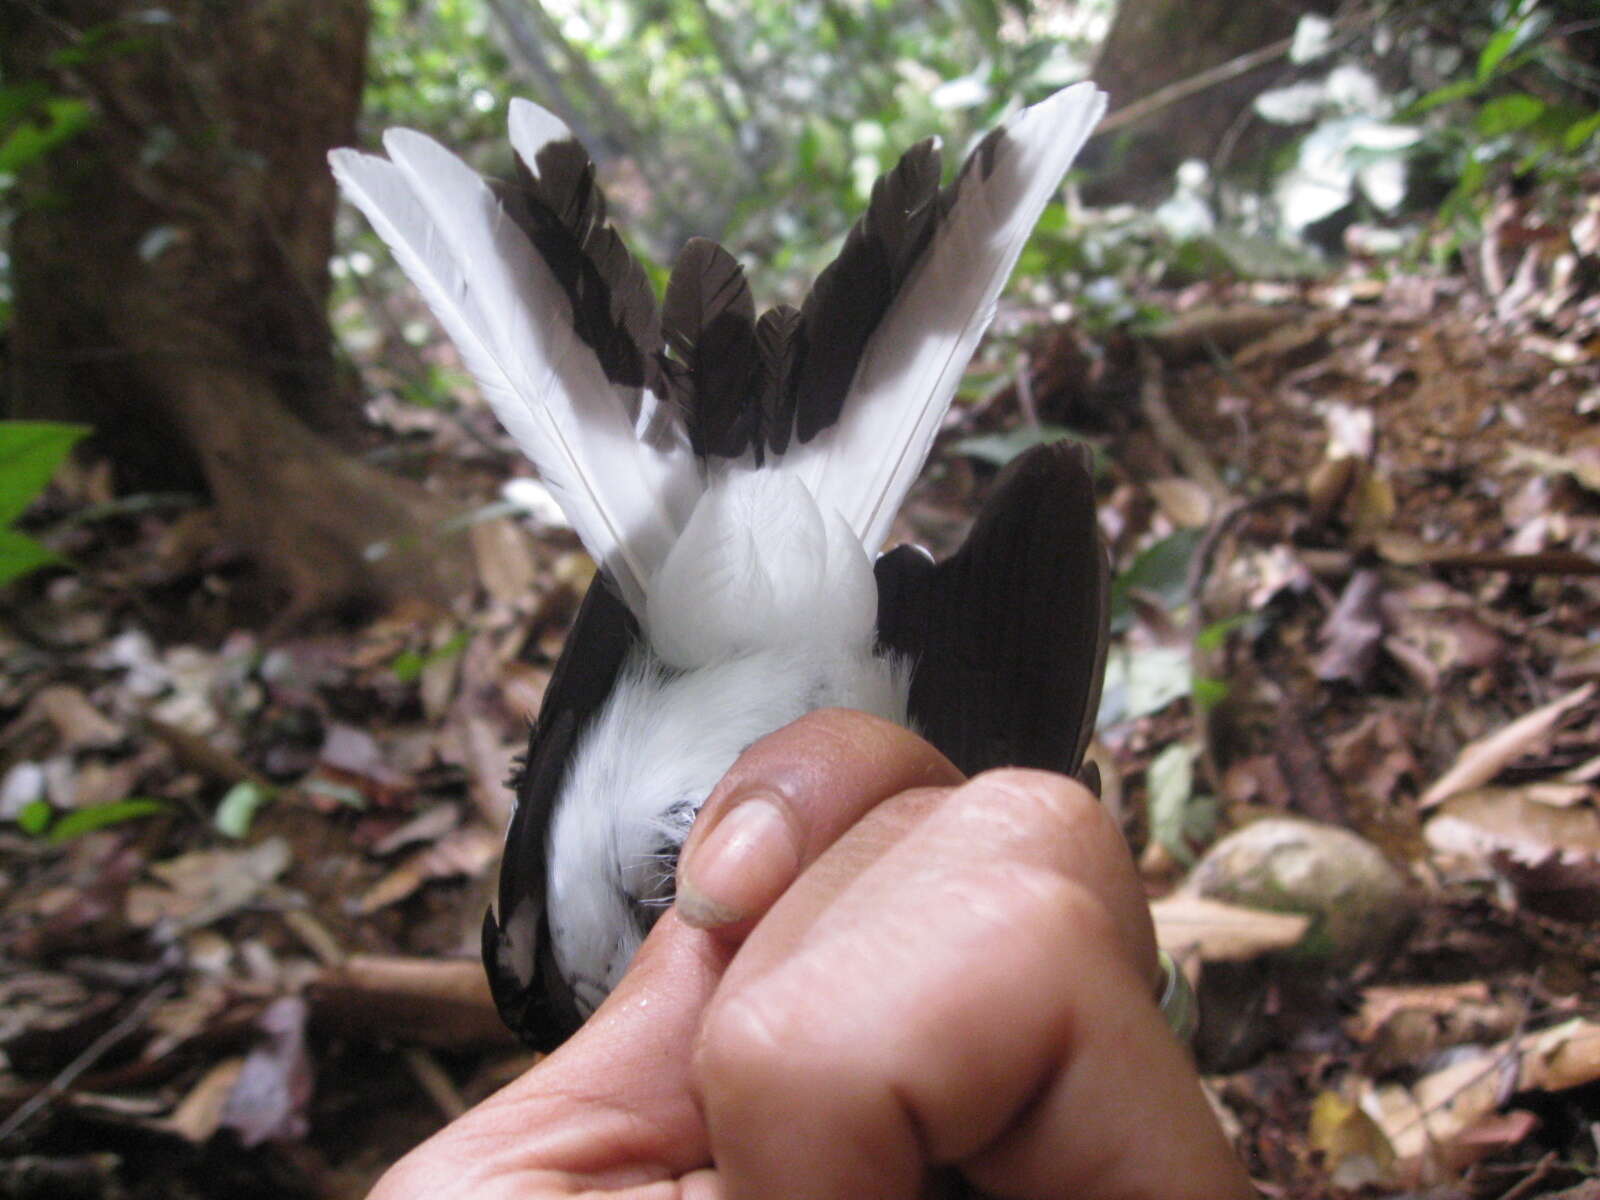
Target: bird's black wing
<point>541,1010</point>
<point>1008,636</point>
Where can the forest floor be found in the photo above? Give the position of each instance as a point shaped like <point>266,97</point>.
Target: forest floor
<point>1356,523</point>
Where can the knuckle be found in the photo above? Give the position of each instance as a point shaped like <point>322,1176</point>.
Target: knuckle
<point>1039,901</point>
<point>1062,806</point>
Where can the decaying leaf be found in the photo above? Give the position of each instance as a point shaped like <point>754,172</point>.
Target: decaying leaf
<point>1450,1117</point>
<point>1477,824</point>
<point>1185,503</point>
<point>467,851</point>
<point>198,888</point>
<point>1355,1151</point>
<point>1351,635</point>
<point>269,1096</point>
<point>505,567</point>
<point>1373,758</point>
<point>1543,839</point>
<point>1482,760</point>
<point>1406,1024</point>
<point>1190,925</point>
<point>199,1114</point>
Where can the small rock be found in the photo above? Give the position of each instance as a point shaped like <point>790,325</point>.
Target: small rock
<point>1355,897</point>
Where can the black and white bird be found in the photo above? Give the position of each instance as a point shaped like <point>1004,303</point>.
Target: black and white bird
<point>733,478</point>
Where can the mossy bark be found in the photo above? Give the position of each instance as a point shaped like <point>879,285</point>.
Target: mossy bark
<point>170,270</point>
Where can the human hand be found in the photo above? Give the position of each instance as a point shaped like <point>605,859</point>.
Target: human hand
<point>912,981</point>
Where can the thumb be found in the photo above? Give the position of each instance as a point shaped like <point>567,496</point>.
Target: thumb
<point>612,1102</point>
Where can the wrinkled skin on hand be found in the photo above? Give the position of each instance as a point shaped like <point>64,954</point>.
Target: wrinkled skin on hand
<point>916,986</point>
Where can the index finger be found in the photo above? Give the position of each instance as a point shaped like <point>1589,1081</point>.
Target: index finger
<point>787,799</point>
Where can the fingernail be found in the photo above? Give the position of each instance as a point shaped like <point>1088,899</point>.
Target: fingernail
<point>741,867</point>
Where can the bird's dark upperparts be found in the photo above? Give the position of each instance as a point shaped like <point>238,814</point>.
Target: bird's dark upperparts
<point>732,477</point>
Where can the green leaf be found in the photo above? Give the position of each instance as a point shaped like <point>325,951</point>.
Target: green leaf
<point>34,817</point>
<point>18,98</point>
<point>1580,132</point>
<point>93,50</point>
<point>1447,94</point>
<point>1161,569</point>
<point>339,793</point>
<point>1215,635</point>
<point>1256,256</point>
<point>239,807</point>
<point>20,555</point>
<point>1508,114</point>
<point>1170,785</point>
<point>1001,448</point>
<point>1494,52</point>
<point>30,452</point>
<point>1208,693</point>
<point>1141,682</point>
<point>408,665</point>
<point>62,118</point>
<point>86,820</point>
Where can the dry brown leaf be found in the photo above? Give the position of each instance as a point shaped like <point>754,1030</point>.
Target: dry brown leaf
<point>1329,485</point>
<point>1584,772</point>
<point>505,567</point>
<point>1352,631</point>
<point>477,743</point>
<point>356,752</point>
<point>202,886</point>
<point>199,1114</point>
<point>78,723</point>
<point>1582,464</point>
<point>429,825</point>
<point>1482,760</point>
<point>1562,1057</point>
<point>95,783</point>
<point>1372,502</point>
<point>1380,1005</point>
<point>1433,632</point>
<point>1440,1122</point>
<point>1354,1148</point>
<point>1373,757</point>
<point>270,1097</point>
<point>438,683</point>
<point>1218,932</point>
<point>467,852</point>
<point>1402,1026</point>
<point>522,688</point>
<point>1184,502</point>
<point>1476,824</point>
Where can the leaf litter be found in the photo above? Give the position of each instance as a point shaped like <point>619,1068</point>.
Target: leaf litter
<point>1357,537</point>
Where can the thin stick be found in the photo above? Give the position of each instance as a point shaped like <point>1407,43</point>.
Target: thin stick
<point>95,1051</point>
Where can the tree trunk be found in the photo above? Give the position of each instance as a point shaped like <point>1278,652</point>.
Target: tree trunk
<point>1154,43</point>
<point>170,271</point>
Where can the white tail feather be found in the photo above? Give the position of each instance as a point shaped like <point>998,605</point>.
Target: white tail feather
<point>513,326</point>
<point>865,464</point>
<point>533,128</point>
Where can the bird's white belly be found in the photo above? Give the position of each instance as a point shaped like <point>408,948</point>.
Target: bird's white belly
<point>653,754</point>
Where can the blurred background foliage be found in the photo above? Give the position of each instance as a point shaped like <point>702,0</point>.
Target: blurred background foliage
<point>764,124</point>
